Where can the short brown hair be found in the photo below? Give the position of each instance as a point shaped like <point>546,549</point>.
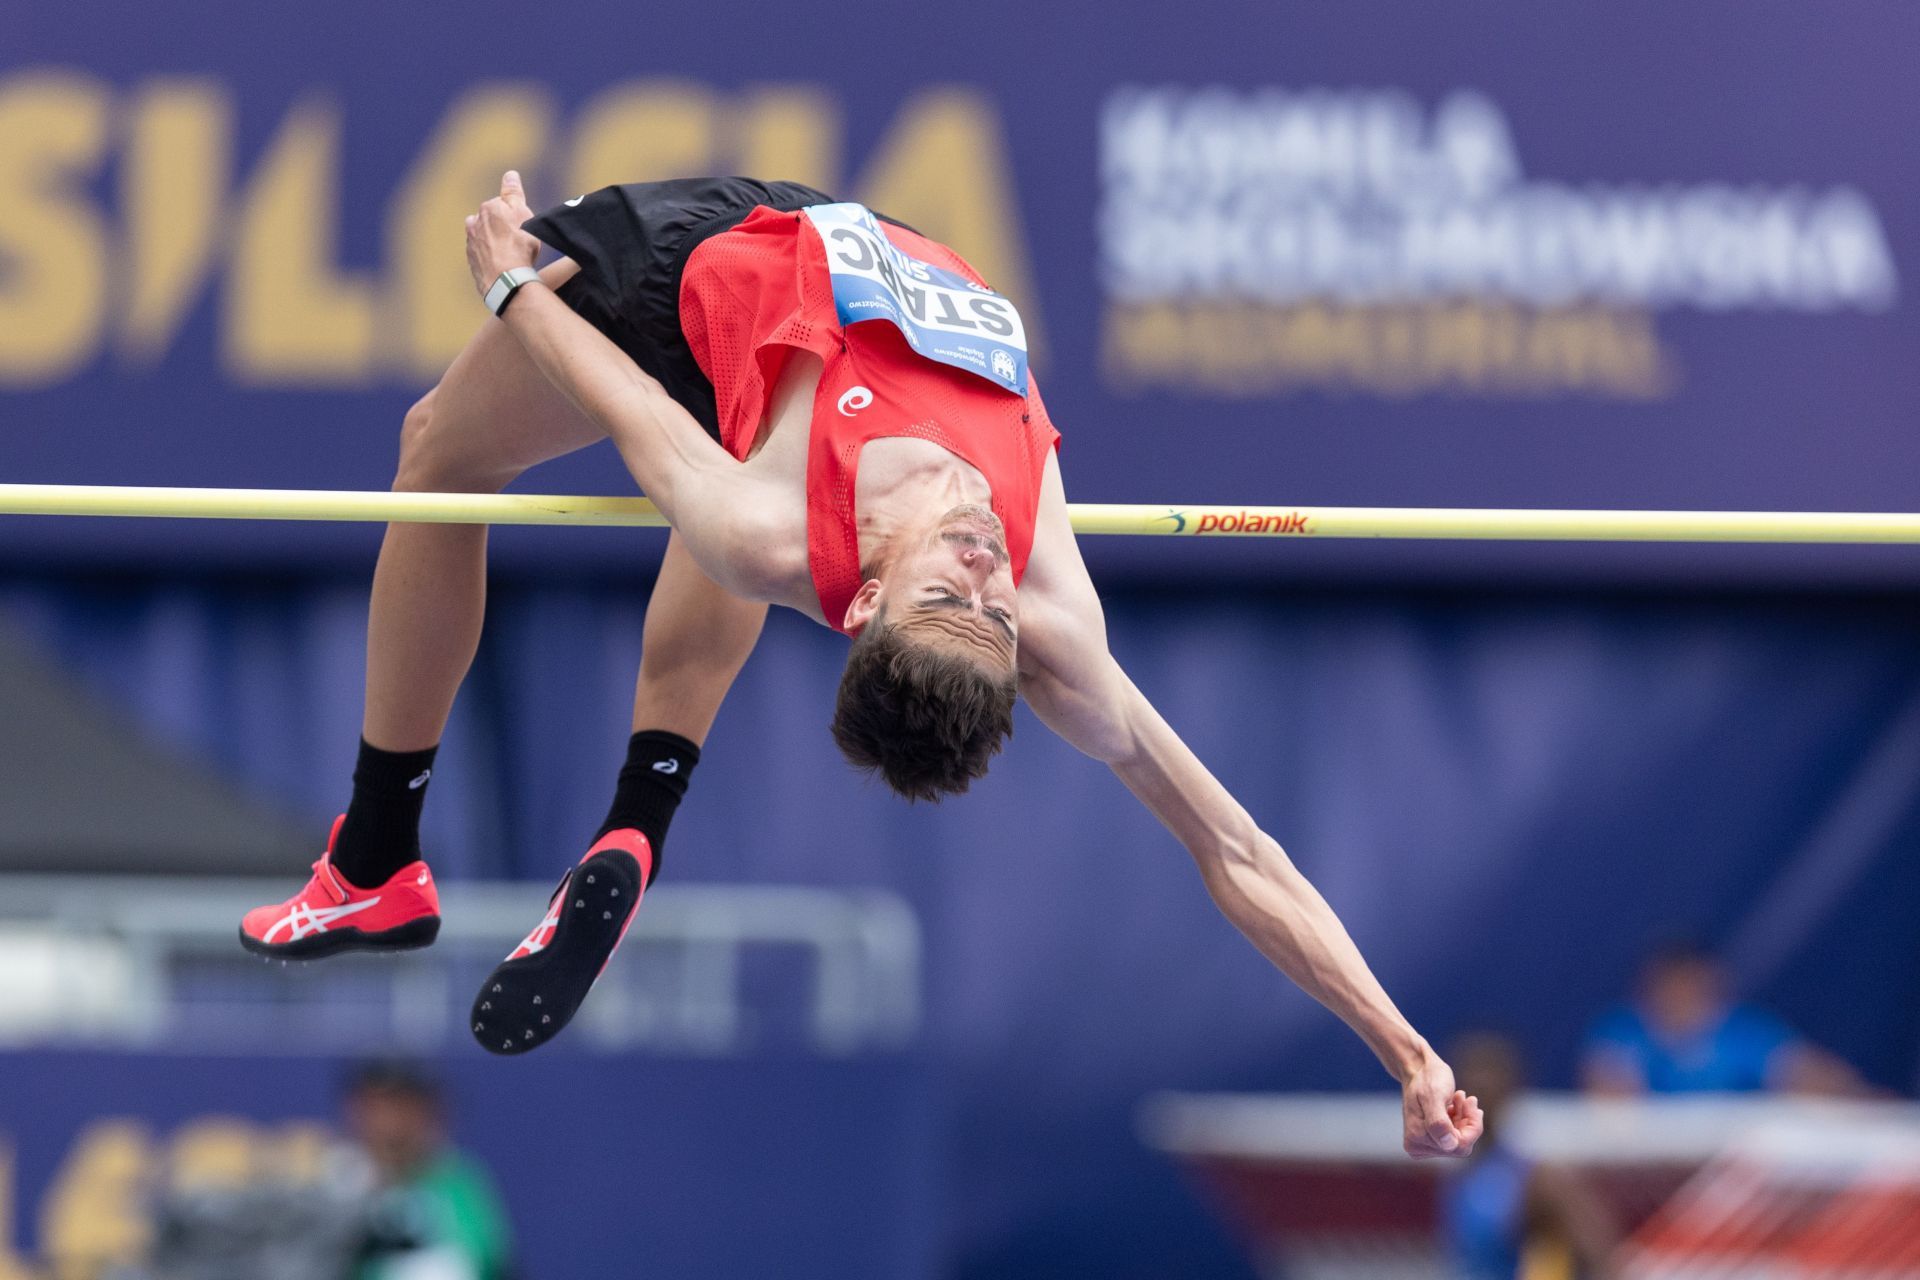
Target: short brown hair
<point>926,719</point>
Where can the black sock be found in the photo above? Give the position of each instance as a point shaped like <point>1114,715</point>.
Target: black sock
<point>382,830</point>
<point>653,781</point>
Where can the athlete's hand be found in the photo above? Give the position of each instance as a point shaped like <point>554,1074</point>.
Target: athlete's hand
<point>1442,1122</point>
<point>494,238</point>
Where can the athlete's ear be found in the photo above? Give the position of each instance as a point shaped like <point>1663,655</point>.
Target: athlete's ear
<point>863,607</point>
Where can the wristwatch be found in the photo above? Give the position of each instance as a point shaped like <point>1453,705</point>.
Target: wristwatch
<point>501,292</point>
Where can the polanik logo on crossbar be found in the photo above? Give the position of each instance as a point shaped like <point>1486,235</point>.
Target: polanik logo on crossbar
<point>1242,521</point>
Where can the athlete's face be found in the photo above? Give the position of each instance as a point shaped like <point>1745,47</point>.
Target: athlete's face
<point>953,587</point>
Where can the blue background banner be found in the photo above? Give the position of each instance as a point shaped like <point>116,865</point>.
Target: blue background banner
<point>1507,798</point>
<point>106,1133</point>
<point>1381,254</point>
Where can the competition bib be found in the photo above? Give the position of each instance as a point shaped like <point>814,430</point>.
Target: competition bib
<point>944,316</point>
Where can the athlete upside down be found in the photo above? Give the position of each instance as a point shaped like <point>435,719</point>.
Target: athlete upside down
<point>833,413</point>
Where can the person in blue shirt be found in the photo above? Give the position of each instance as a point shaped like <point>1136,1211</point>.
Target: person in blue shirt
<point>1683,1033</point>
<point>1505,1213</point>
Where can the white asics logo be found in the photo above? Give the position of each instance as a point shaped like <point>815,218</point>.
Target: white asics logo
<point>575,202</point>
<point>424,877</point>
<point>855,399</point>
<point>666,766</point>
<point>303,920</point>
<point>536,942</point>
<point>420,781</point>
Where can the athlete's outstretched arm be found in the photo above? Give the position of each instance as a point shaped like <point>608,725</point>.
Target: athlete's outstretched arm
<point>698,486</point>
<point>1073,683</point>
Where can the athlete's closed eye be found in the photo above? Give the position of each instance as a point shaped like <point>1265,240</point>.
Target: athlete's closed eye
<point>942,598</point>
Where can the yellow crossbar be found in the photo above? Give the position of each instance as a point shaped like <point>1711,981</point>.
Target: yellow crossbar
<point>1090,518</point>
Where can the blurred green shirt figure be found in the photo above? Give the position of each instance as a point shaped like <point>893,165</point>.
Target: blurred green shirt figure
<point>436,1214</point>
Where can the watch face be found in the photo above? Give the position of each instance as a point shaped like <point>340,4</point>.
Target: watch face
<point>509,283</point>
<point>502,289</point>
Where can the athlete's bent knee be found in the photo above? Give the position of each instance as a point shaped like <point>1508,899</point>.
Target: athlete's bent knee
<point>433,457</point>
<point>413,437</point>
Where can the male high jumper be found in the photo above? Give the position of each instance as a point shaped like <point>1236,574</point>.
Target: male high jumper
<point>834,413</point>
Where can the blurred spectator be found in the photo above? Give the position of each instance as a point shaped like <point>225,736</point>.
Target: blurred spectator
<point>436,1215</point>
<point>1682,1033</point>
<point>269,1228</point>
<point>1503,1214</point>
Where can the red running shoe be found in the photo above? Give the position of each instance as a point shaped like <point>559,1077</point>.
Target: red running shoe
<point>330,915</point>
<point>535,991</point>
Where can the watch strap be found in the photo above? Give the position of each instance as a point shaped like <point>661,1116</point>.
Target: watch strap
<point>510,281</point>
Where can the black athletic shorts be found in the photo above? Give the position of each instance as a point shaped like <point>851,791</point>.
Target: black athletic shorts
<point>632,243</point>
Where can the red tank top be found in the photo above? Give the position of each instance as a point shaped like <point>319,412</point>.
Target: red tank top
<point>751,295</point>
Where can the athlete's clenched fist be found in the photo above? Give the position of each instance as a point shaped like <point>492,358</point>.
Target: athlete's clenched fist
<point>495,241</point>
<point>1441,1120</point>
